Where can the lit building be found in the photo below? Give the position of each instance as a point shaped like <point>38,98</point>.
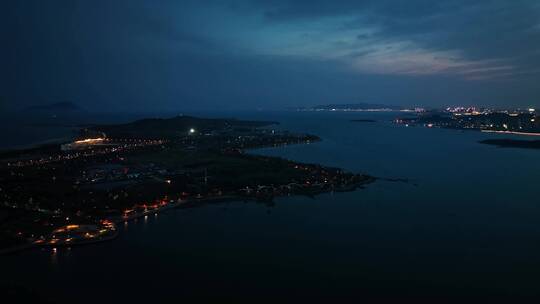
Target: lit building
<point>83,144</point>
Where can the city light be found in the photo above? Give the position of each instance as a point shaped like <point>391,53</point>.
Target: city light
<point>89,140</point>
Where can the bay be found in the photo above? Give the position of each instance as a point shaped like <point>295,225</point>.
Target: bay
<point>465,224</point>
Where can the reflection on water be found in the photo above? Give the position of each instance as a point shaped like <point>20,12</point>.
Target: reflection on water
<point>54,256</point>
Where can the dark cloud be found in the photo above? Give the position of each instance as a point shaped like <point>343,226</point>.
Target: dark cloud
<point>268,54</point>
<point>481,28</point>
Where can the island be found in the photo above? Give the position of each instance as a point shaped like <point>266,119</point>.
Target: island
<point>513,143</point>
<point>76,192</point>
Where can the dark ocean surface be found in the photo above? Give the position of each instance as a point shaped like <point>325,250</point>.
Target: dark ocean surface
<point>466,224</point>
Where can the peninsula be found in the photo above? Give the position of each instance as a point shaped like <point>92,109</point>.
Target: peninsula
<point>76,192</point>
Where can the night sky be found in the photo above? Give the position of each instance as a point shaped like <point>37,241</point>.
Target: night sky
<point>189,55</point>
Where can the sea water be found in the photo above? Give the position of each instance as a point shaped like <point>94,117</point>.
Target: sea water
<point>462,219</point>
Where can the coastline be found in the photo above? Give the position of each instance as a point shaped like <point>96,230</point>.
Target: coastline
<point>73,236</point>
<point>188,203</point>
<point>511,132</point>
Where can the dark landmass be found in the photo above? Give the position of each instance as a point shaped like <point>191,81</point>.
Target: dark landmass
<point>352,107</point>
<point>65,195</point>
<point>521,122</point>
<point>54,107</point>
<point>177,126</point>
<point>53,125</point>
<point>512,143</point>
<point>363,120</point>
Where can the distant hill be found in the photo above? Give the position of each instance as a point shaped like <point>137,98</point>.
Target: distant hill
<point>352,107</point>
<point>55,107</point>
<point>174,127</point>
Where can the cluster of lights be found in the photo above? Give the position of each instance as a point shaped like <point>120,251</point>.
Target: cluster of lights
<point>89,140</point>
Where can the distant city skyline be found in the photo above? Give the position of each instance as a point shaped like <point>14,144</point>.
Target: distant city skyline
<point>208,55</point>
